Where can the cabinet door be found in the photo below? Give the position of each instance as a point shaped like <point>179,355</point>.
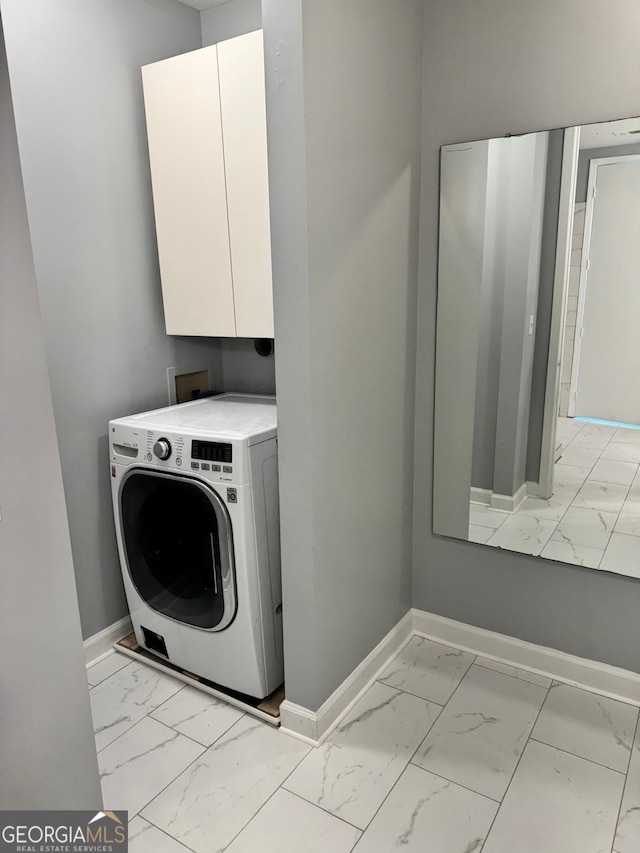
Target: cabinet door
<point>244,127</point>
<point>184,128</point>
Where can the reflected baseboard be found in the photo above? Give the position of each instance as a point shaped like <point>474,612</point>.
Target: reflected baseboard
<point>506,503</point>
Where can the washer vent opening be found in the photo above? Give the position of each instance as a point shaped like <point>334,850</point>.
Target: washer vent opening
<point>154,642</point>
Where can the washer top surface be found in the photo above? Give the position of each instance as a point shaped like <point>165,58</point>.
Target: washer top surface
<point>237,415</point>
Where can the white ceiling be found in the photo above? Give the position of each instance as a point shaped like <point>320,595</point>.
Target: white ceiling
<point>201,5</point>
<point>610,134</point>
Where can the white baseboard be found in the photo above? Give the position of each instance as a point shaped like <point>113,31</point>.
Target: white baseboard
<point>480,496</point>
<point>100,644</point>
<point>598,677</point>
<point>510,503</point>
<point>314,726</point>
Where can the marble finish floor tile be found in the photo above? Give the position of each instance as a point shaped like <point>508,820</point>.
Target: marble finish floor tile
<point>527,534</point>
<point>609,471</point>
<point>570,476</point>
<point>356,767</point>
<point>557,803</point>
<point>197,715</point>
<point>480,534</point>
<point>634,491</point>
<point>126,697</point>
<point>622,555</point>
<point>145,838</point>
<point>622,452</point>
<point>580,456</point>
<point>593,437</point>
<point>551,509</point>
<point>138,765</point>
<point>213,800</point>
<point>486,516</point>
<point>427,669</point>
<point>629,519</point>
<point>589,527</point>
<point>606,497</point>
<point>288,823</point>
<point>425,813</point>
<point>626,435</point>
<point>113,663</point>
<point>515,672</point>
<point>578,555</point>
<point>588,725</point>
<point>628,832</point>
<point>480,735</point>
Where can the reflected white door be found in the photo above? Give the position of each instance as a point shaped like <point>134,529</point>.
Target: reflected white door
<point>609,361</point>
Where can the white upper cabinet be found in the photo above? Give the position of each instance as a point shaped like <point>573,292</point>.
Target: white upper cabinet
<point>206,127</point>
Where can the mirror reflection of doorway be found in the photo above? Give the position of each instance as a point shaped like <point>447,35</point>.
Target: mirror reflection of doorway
<point>606,356</point>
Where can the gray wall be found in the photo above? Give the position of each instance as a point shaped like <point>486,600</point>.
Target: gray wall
<point>344,164</point>
<point>585,157</point>
<point>234,18</point>
<point>75,76</point>
<point>47,749</point>
<point>536,79</point>
<point>242,368</point>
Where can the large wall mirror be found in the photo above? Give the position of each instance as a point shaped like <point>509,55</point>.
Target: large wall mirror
<point>537,418</point>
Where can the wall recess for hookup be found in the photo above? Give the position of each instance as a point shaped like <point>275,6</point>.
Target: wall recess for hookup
<point>183,386</point>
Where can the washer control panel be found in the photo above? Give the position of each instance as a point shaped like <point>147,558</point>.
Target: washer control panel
<point>221,461</point>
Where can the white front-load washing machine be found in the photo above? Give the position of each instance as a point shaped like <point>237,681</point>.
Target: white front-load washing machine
<point>195,499</point>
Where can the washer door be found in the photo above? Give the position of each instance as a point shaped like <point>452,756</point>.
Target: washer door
<point>178,545</point>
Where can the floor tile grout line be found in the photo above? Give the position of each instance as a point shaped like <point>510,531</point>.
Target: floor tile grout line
<point>322,809</point>
<point>128,729</point>
<point>515,769</point>
<point>138,815</point>
<point>624,787</point>
<point>454,782</point>
<point>184,770</point>
<point>127,663</point>
<point>206,746</point>
<point>273,793</point>
<point>577,755</point>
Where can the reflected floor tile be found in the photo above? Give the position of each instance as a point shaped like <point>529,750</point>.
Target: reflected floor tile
<point>621,452</point>
<point>485,516</point>
<point>288,823</point>
<point>478,738</point>
<point>356,767</point>
<point>557,803</point>
<point>515,672</point>
<point>197,715</point>
<point>145,838</point>
<point>480,534</point>
<point>137,766</point>
<point>570,476</point>
<point>427,669</point>
<point>634,491</point>
<point>609,471</point>
<point>552,508</point>
<point>592,439</point>
<point>425,813</point>
<point>208,805</point>
<point>113,663</point>
<point>578,555</point>
<point>580,456</point>
<point>591,726</point>
<point>625,435</point>
<point>589,527</point>
<point>629,519</point>
<point>622,555</point>
<point>606,497</point>
<point>525,533</point>
<point>628,833</point>
<point>126,697</point>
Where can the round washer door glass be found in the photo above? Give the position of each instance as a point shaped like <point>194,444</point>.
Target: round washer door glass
<point>179,547</point>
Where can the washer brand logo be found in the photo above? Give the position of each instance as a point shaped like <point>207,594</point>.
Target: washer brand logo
<point>63,832</point>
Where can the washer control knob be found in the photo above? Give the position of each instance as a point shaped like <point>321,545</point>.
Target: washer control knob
<point>162,448</point>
